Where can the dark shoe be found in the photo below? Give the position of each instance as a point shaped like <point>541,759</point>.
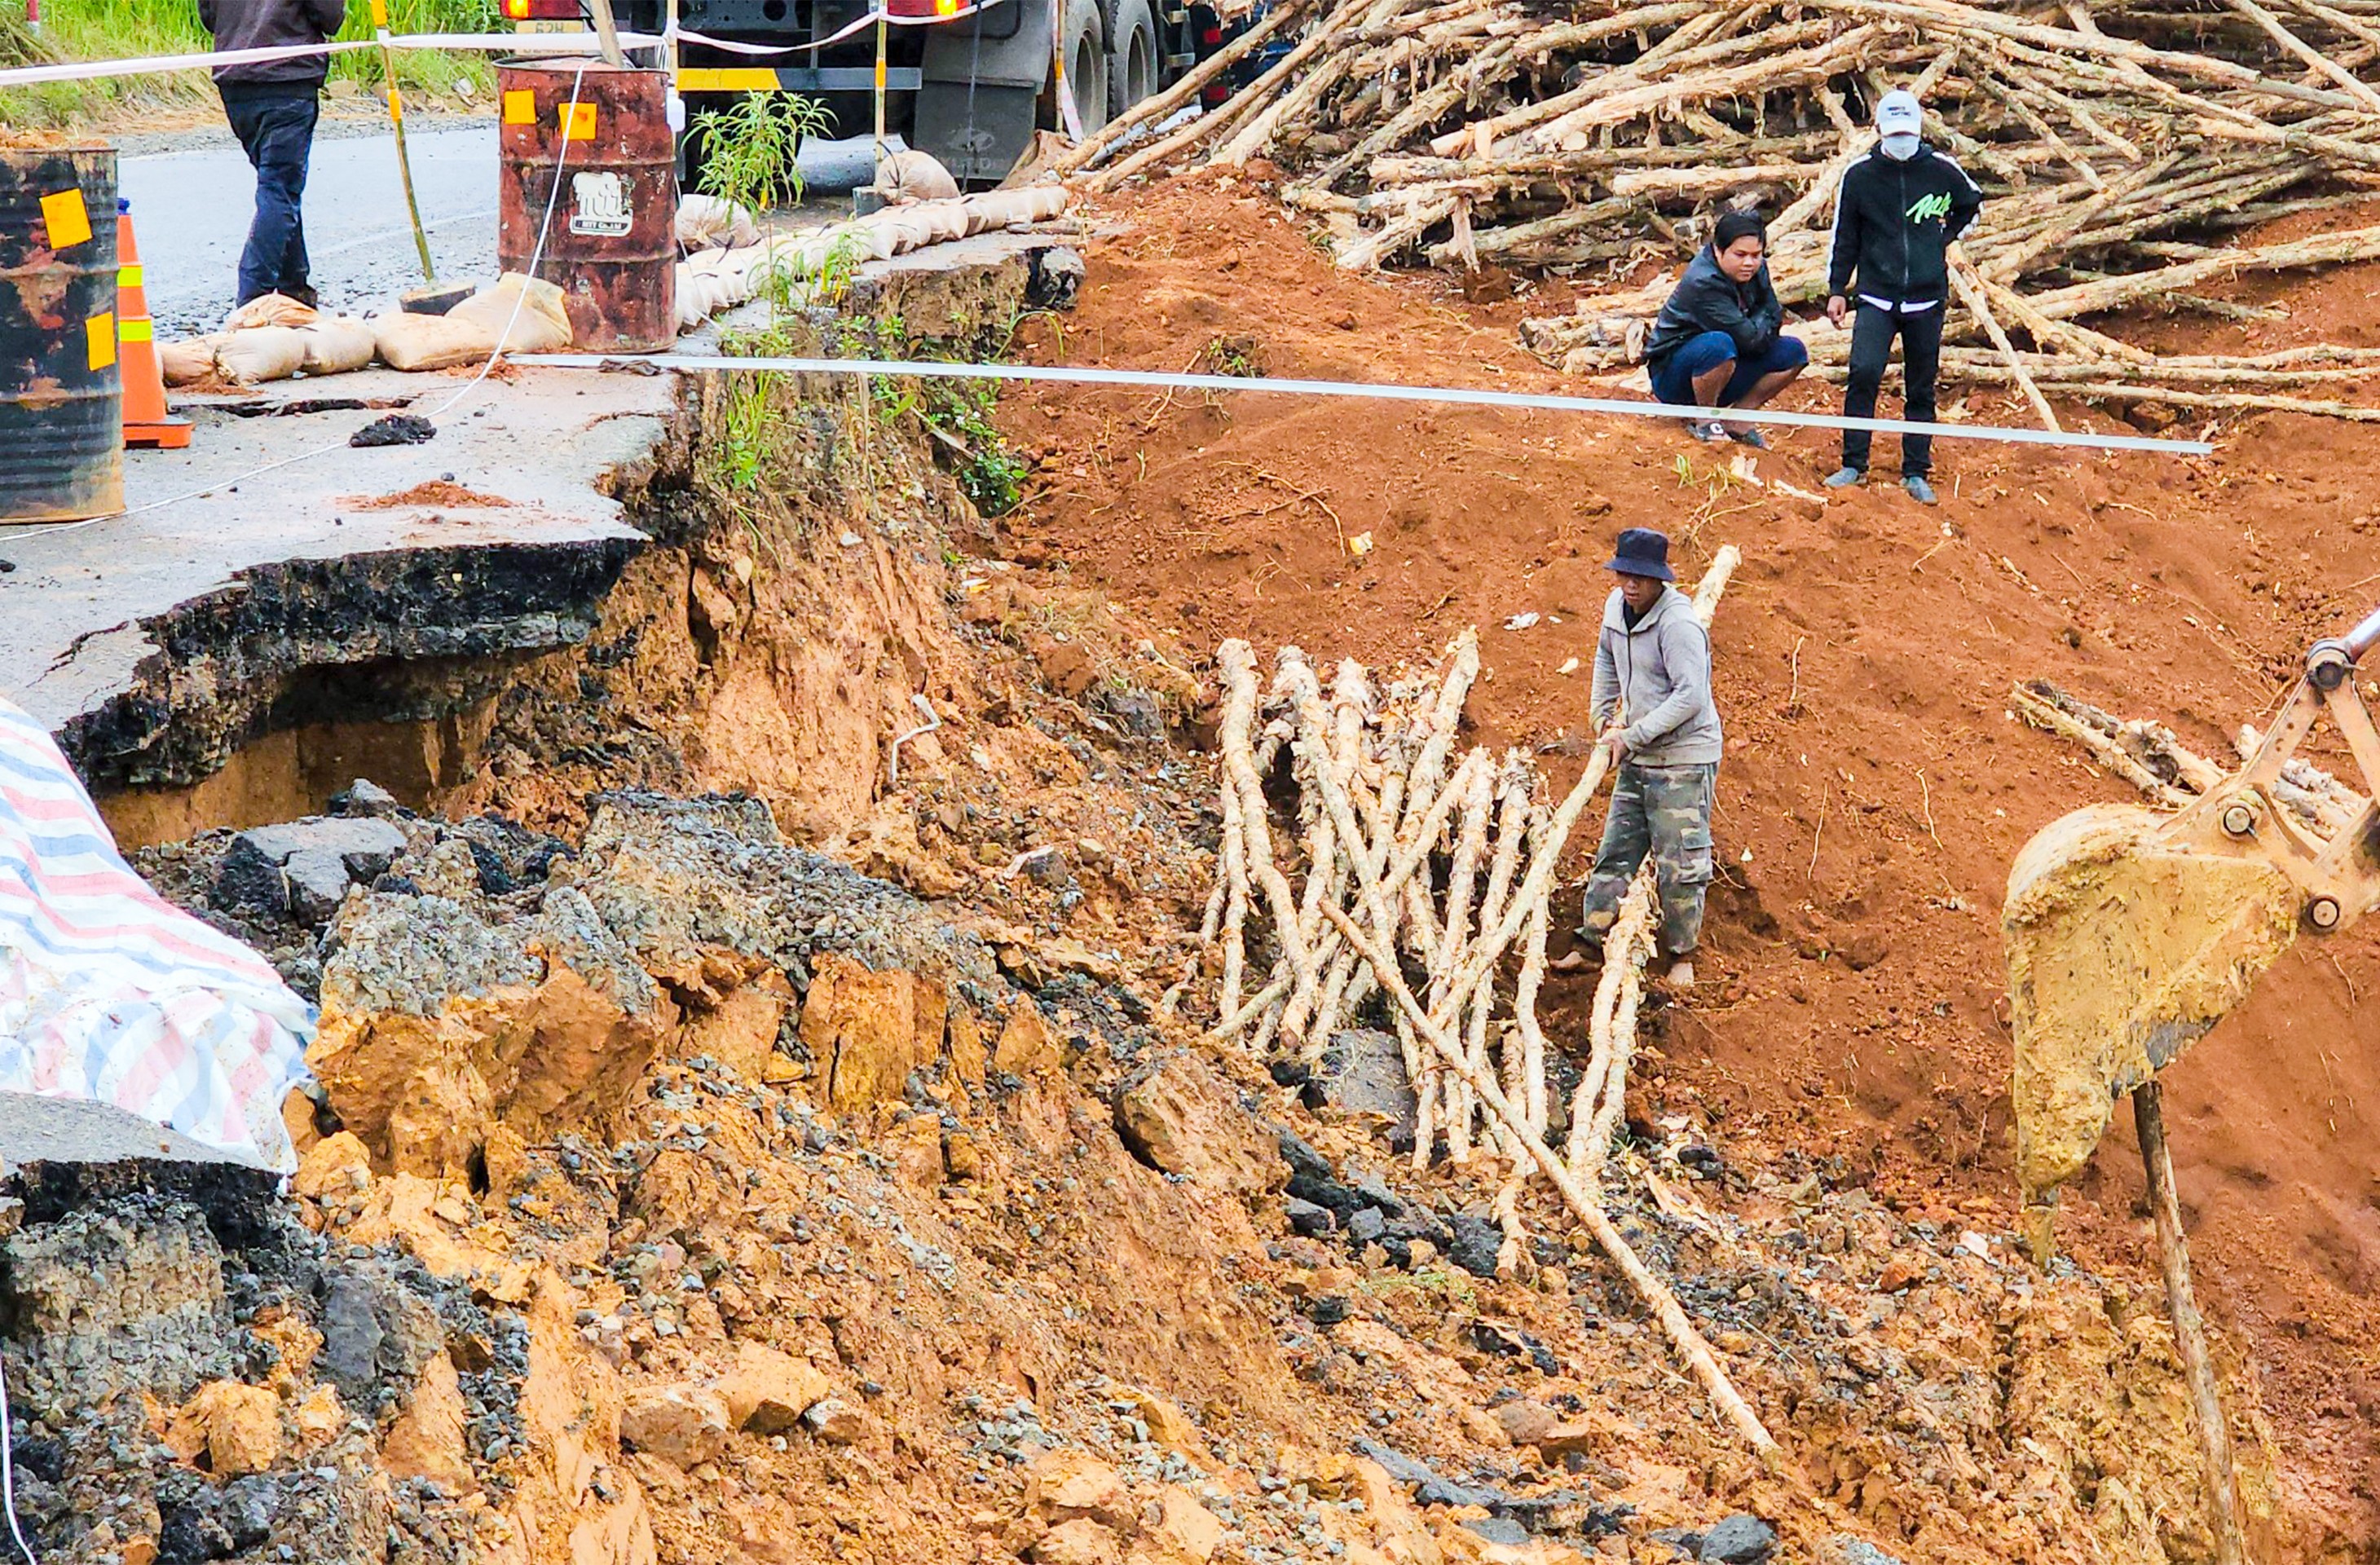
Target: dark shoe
<point>1709,432</point>
<point>1919,489</point>
<point>1749,435</point>
<point>1845,477</point>
<point>304,296</point>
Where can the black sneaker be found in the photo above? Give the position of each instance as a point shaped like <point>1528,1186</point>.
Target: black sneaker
<point>1749,435</point>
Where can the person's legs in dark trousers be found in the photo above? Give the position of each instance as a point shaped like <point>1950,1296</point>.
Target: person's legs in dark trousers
<point>276,131</point>
<point>1921,363</point>
<point>1872,332</point>
<point>1627,838</point>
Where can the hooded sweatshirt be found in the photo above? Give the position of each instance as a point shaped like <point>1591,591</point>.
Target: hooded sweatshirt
<point>1660,672</point>
<point>1894,224</point>
<point>272,24</point>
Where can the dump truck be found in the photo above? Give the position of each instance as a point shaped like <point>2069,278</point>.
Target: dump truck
<point>968,82</point>
<point>2132,933</point>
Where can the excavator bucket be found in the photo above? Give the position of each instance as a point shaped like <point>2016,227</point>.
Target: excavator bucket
<point>2125,946</point>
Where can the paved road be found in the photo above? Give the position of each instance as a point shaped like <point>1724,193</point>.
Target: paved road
<point>191,209</point>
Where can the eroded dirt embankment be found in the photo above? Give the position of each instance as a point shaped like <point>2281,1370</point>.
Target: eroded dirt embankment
<point>816,1175</point>
<point>1877,785</point>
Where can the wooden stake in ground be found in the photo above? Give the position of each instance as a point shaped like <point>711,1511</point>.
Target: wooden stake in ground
<point>2188,1330</point>
<point>1664,1304</point>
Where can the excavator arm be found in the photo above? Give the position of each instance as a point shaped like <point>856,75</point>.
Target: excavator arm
<point>2130,934</point>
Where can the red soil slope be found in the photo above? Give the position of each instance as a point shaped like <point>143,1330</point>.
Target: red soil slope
<point>1876,787</point>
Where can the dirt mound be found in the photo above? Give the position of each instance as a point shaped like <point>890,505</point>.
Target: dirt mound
<point>1876,786</point>
<point>434,492</point>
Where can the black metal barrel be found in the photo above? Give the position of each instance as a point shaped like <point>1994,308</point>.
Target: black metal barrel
<point>611,245</point>
<point>61,398</point>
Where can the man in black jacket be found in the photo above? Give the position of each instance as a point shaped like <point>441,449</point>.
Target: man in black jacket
<point>1896,216</point>
<point>272,105</point>
<point>1718,342</point>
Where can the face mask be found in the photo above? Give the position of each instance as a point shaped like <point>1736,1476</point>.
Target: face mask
<point>1901,148</point>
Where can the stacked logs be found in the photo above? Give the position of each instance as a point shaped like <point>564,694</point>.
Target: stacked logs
<point>2118,147</point>
<point>1403,873</point>
<point>1449,861</point>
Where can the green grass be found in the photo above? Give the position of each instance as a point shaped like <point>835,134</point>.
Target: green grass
<point>115,30</point>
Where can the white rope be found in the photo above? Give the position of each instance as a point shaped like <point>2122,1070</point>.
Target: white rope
<point>8,1469</point>
<point>1460,395</point>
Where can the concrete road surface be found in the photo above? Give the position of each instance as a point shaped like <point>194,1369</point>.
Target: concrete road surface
<point>190,209</point>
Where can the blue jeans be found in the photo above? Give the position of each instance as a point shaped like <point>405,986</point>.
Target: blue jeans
<point>1673,378</point>
<point>275,127</point>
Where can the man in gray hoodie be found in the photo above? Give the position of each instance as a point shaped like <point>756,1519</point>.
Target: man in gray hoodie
<point>1653,707</point>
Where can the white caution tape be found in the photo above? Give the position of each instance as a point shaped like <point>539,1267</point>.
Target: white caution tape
<point>584,42</point>
<point>860,24</point>
<point>480,42</point>
<point>1459,395</point>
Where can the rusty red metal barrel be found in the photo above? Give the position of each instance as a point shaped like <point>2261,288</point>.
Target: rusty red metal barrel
<point>612,245</point>
<point>61,396</point>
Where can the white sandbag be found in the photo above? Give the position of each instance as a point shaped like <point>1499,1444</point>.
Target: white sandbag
<point>429,342</point>
<point>875,235</point>
<point>910,228</point>
<point>913,175</point>
<point>261,353</point>
<point>188,361</point>
<point>689,306</point>
<point>1007,208</point>
<point>542,326</point>
<point>944,220</point>
<point>714,223</point>
<point>336,343</point>
<point>269,310</point>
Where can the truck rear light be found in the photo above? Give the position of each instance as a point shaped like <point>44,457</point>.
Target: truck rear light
<point>1210,38</point>
<point>926,8</point>
<point>541,10</point>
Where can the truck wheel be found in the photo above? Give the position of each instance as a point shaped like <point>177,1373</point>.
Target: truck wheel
<point>1133,65</point>
<point>1086,63</point>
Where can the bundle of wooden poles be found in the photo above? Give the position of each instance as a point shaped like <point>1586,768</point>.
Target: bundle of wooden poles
<point>1395,875</point>
<point>2119,144</point>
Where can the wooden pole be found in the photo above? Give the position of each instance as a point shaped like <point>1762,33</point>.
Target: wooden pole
<point>2189,1329</point>
<point>396,124</point>
<point>607,31</point>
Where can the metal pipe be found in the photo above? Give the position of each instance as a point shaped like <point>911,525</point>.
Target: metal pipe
<point>2364,638</point>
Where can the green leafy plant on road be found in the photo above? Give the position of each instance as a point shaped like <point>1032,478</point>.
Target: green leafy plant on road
<point>747,151</point>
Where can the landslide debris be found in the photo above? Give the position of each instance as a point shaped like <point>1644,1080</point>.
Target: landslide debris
<point>699,1198</point>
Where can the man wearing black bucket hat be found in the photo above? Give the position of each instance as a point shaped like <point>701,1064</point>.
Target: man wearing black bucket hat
<point>1653,707</point>
<point>272,105</point>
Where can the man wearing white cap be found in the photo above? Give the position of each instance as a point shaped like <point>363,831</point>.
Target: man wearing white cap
<point>1898,211</point>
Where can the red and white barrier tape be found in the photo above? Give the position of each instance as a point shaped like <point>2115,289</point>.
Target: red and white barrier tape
<point>480,42</point>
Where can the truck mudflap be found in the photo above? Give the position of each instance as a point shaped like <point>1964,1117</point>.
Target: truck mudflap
<point>982,86</point>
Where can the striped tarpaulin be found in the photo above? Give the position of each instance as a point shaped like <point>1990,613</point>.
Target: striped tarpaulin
<point>109,992</point>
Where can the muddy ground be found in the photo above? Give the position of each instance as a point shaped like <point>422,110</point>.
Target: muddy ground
<point>1876,786</point>
<point>736,1147</point>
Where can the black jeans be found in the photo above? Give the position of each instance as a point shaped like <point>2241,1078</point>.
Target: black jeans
<point>1921,361</point>
<point>275,127</point>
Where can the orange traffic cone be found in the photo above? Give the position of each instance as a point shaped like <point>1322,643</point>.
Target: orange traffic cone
<point>146,422</point>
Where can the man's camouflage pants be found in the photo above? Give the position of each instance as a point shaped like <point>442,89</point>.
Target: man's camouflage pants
<point>1664,810</point>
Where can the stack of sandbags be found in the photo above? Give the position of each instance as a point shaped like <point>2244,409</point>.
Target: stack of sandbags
<point>515,313</point>
<point>270,338</point>
<point>816,266</point>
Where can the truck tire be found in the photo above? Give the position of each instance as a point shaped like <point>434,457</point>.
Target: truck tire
<point>1134,61</point>
<point>1086,63</point>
